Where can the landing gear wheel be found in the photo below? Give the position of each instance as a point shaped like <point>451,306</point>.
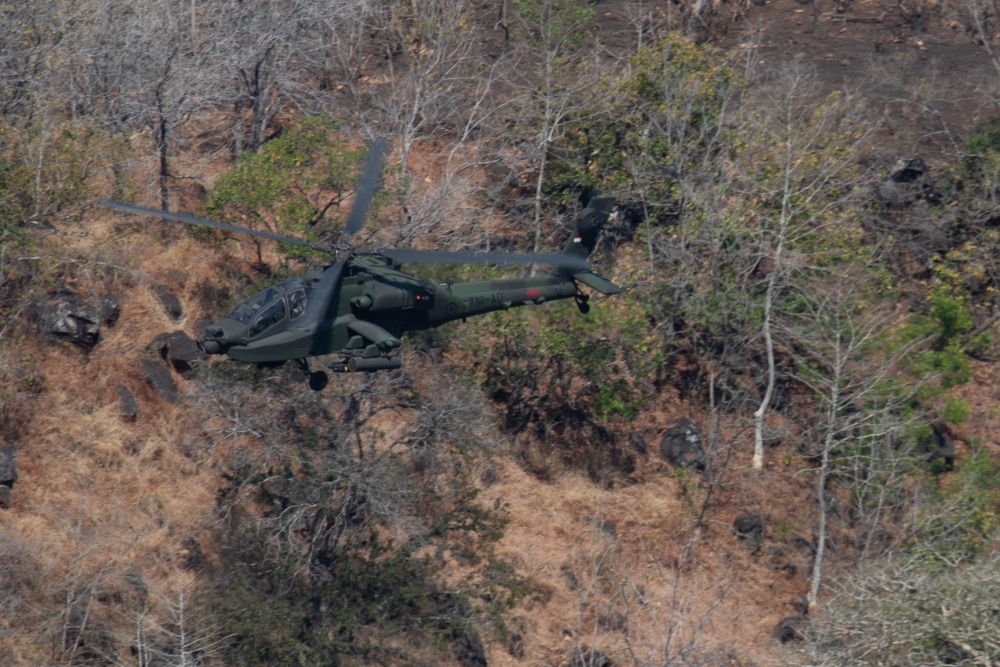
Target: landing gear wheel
<point>318,380</point>
<point>581,303</point>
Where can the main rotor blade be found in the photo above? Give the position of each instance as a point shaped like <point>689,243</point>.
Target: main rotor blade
<point>193,220</point>
<point>560,260</point>
<point>318,307</point>
<point>367,187</point>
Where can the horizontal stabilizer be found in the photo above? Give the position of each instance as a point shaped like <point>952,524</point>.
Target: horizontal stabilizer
<point>594,281</point>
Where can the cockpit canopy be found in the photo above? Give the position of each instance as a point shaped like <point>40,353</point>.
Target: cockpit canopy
<point>263,311</point>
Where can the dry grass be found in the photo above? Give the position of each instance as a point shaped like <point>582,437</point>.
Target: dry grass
<point>100,497</point>
<point>583,546</point>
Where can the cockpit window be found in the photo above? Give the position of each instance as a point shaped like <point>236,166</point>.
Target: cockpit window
<point>296,303</point>
<point>249,308</point>
<point>268,318</point>
<point>246,310</point>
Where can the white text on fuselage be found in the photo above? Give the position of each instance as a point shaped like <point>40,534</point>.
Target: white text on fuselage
<point>486,300</point>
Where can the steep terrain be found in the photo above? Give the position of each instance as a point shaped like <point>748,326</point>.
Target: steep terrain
<point>124,514</point>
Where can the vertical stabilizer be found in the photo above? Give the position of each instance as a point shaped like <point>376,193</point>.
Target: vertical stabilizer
<point>589,224</point>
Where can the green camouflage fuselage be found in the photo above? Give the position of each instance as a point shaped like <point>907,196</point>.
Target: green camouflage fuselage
<point>376,303</point>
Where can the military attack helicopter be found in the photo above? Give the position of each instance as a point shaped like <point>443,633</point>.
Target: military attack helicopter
<point>359,305</point>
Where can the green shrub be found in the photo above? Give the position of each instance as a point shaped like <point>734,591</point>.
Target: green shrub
<point>954,409</point>
<point>290,185</point>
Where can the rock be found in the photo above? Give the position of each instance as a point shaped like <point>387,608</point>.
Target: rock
<point>8,473</point>
<point>180,350</point>
<point>109,309</point>
<point>750,528</point>
<point>183,353</point>
<point>801,604</point>
<point>789,629</point>
<point>8,465</point>
<point>681,446</point>
<point>161,345</point>
<point>908,170</point>
<point>171,304</point>
<point>66,317</point>
<point>130,410</point>
<point>908,180</point>
<point>158,377</point>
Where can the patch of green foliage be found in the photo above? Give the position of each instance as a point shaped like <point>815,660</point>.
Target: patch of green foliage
<point>946,319</point>
<point>655,126</point>
<point>964,519</point>
<point>563,359</point>
<point>291,185</point>
<point>570,381</point>
<point>954,410</point>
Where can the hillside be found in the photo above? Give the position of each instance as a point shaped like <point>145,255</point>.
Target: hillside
<point>779,437</point>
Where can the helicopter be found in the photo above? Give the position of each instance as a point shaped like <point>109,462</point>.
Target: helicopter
<point>359,305</point>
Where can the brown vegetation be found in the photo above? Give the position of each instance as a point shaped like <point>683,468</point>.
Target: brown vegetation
<point>504,496</point>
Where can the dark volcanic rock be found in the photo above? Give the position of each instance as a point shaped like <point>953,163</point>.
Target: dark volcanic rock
<point>109,309</point>
<point>750,528</point>
<point>67,317</point>
<point>681,446</point>
<point>183,353</point>
<point>180,350</point>
<point>908,180</point>
<point>171,304</point>
<point>8,465</point>
<point>158,377</point>
<point>789,629</point>
<point>8,473</point>
<point>161,345</point>
<point>129,407</point>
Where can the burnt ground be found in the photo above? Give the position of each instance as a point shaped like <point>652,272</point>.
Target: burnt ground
<point>919,61</point>
<point>925,67</point>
